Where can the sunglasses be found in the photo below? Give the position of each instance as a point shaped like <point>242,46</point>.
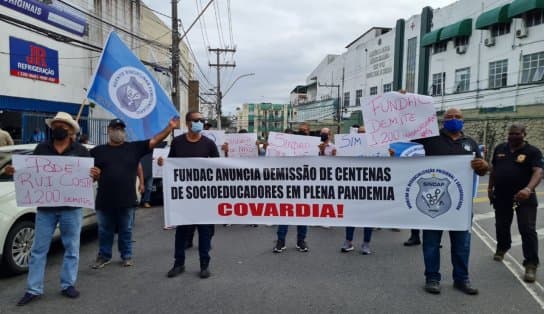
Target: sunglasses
<point>197,120</point>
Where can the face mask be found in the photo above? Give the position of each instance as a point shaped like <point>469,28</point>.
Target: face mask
<point>324,137</point>
<point>453,125</point>
<point>117,136</point>
<point>197,127</point>
<point>59,134</point>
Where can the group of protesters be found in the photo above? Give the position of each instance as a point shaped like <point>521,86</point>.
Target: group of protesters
<point>516,172</point>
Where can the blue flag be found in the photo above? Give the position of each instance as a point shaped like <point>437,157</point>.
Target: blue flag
<point>123,86</point>
<point>407,149</point>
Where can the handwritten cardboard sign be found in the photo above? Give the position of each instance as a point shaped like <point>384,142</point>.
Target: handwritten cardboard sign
<point>282,144</point>
<point>394,117</point>
<point>356,145</point>
<point>158,152</point>
<point>51,181</point>
<point>242,144</point>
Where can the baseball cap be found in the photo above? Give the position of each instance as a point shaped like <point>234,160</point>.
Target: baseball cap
<point>116,122</point>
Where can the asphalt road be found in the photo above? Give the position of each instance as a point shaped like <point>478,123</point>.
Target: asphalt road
<point>248,278</point>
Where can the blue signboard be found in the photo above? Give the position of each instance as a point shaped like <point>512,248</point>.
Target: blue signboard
<point>30,60</point>
<point>48,14</point>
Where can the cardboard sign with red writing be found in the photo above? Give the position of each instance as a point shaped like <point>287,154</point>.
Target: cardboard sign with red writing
<point>395,117</point>
<point>282,144</point>
<point>51,181</point>
<point>242,144</point>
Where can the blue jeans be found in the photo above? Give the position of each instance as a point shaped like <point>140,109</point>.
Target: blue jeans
<point>301,232</point>
<point>460,251</point>
<point>108,221</point>
<point>70,228</point>
<point>148,185</point>
<point>367,234</point>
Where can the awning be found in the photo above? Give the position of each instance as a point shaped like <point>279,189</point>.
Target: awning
<point>431,38</point>
<point>518,7</point>
<point>459,29</point>
<point>498,15</point>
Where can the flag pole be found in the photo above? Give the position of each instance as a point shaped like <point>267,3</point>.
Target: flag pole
<point>81,109</point>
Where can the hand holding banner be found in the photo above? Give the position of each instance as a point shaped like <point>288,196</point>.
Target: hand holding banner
<point>51,181</point>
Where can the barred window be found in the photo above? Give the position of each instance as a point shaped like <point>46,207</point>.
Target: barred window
<point>498,74</point>
<point>440,47</point>
<point>532,68</point>
<point>462,80</point>
<point>535,17</point>
<point>387,88</point>
<point>374,90</point>
<point>438,84</point>
<point>346,99</point>
<point>358,95</point>
<point>500,29</point>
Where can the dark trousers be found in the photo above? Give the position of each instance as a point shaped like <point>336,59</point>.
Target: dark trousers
<point>526,215</point>
<point>183,233</point>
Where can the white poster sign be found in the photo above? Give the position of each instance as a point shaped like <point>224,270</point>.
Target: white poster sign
<point>283,144</point>
<point>417,193</point>
<point>157,153</point>
<point>51,181</point>
<point>242,144</point>
<point>354,144</point>
<point>394,117</point>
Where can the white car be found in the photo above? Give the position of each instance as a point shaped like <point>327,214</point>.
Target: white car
<point>17,223</point>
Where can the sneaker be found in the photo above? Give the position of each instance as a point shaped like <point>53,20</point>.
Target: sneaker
<point>499,256</point>
<point>465,287</point>
<point>100,262</point>
<point>280,246</point>
<point>412,242</point>
<point>204,273</point>
<point>147,205</point>
<point>530,273</point>
<point>127,262</point>
<point>366,249</point>
<point>432,286</point>
<point>27,298</point>
<point>301,246</point>
<point>70,292</point>
<point>348,247</point>
<point>176,270</point>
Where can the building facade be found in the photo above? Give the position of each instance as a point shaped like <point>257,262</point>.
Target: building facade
<point>262,118</point>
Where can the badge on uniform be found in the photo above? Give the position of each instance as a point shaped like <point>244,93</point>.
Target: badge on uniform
<point>467,147</point>
<point>521,158</point>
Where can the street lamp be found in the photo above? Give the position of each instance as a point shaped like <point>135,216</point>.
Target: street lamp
<point>222,95</point>
<point>232,84</point>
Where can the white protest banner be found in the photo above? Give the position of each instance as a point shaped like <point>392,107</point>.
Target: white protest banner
<point>394,117</point>
<point>217,136</point>
<point>283,144</point>
<point>158,152</point>
<point>242,144</point>
<point>356,145</point>
<point>50,181</point>
<point>411,193</point>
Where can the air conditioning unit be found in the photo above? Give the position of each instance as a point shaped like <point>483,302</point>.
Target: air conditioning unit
<point>489,41</point>
<point>461,49</point>
<point>521,32</point>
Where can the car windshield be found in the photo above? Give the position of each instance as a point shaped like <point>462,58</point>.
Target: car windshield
<point>5,159</point>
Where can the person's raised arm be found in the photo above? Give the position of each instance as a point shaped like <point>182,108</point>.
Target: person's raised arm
<point>158,138</point>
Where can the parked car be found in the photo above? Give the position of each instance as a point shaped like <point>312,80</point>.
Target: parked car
<point>17,223</point>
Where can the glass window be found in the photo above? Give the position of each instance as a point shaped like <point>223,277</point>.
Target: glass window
<point>500,29</point>
<point>498,74</point>
<point>461,41</point>
<point>535,17</point>
<point>438,84</point>
<point>373,90</point>
<point>532,68</point>
<point>462,80</point>
<point>358,95</point>
<point>411,65</point>
<point>440,47</point>
<point>346,99</point>
<point>386,88</point>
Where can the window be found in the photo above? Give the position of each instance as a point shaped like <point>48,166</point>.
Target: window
<point>534,17</point>
<point>440,47</point>
<point>373,90</point>
<point>500,29</point>
<point>462,80</point>
<point>386,88</point>
<point>358,95</point>
<point>438,84</point>
<point>532,68</point>
<point>411,65</point>
<point>346,99</point>
<point>498,74</point>
<point>461,41</point>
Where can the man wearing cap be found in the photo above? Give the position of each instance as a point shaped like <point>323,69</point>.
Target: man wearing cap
<point>68,218</point>
<point>116,194</point>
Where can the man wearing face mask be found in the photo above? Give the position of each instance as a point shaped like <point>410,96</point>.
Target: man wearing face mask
<point>450,141</point>
<point>116,194</point>
<point>326,148</point>
<point>69,219</point>
<point>192,144</point>
<point>517,170</point>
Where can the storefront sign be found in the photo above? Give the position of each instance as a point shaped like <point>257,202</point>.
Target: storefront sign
<point>33,61</point>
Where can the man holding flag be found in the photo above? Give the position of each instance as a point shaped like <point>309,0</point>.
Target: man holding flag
<point>123,86</point>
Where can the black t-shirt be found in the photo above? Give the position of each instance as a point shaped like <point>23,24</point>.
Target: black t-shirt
<point>513,170</point>
<point>444,145</point>
<point>181,147</point>
<point>74,150</point>
<point>119,168</point>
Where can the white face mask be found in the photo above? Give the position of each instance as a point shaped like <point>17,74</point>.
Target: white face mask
<point>117,136</point>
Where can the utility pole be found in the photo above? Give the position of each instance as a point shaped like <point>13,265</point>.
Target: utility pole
<point>338,107</point>
<point>175,56</point>
<point>219,65</point>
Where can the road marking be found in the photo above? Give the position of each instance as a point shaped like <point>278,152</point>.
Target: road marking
<point>484,216</point>
<point>535,289</point>
<point>516,240</point>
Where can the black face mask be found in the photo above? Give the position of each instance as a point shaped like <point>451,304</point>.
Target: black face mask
<point>324,137</point>
<point>59,134</point>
